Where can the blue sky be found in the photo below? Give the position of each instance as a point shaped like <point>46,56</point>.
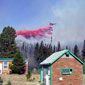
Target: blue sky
<point>26,14</point>
<point>69,16</point>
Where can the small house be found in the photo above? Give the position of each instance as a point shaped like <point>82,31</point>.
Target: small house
<point>62,68</point>
<point>4,65</point>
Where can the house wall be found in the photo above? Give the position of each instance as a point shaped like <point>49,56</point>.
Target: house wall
<point>1,67</point>
<point>5,70</point>
<point>73,79</point>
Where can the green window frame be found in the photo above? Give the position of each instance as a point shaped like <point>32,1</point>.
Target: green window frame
<point>66,71</point>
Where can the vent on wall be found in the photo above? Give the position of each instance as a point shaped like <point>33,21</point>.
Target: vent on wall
<point>67,54</point>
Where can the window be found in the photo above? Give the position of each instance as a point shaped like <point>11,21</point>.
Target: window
<point>5,64</point>
<point>66,71</point>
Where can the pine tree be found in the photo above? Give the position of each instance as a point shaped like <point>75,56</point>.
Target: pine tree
<point>42,51</point>
<point>41,54</point>
<point>18,65</point>
<point>49,50</point>
<point>76,50</point>
<point>58,47</point>
<point>67,48</point>
<point>7,42</point>
<point>54,48</point>
<point>36,53</point>
<point>83,52</point>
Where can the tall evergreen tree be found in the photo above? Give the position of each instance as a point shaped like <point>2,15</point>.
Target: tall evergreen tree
<point>76,50</point>
<point>42,51</point>
<point>67,47</point>
<point>7,42</point>
<point>36,53</point>
<point>41,54</point>
<point>54,48</point>
<point>83,51</point>
<point>58,47</point>
<point>18,65</point>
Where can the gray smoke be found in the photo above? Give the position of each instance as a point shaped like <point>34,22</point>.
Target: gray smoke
<point>70,21</point>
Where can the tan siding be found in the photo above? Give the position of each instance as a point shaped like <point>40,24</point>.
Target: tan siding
<point>7,70</point>
<point>0,61</point>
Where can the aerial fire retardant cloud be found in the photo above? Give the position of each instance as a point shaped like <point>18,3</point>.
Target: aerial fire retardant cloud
<point>40,32</point>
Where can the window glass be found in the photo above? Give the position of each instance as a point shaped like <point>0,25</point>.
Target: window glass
<point>5,63</point>
<point>66,71</point>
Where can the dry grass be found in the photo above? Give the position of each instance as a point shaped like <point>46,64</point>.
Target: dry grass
<point>20,79</point>
<point>84,79</point>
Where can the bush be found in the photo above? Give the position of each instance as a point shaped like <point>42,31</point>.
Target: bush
<point>42,84</point>
<point>28,75</point>
<point>1,81</point>
<point>9,83</point>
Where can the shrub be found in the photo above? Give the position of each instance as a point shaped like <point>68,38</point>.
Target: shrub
<point>9,83</point>
<point>42,84</point>
<point>28,75</point>
<point>1,81</point>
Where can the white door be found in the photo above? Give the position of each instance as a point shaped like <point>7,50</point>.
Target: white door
<point>0,68</point>
<point>47,77</point>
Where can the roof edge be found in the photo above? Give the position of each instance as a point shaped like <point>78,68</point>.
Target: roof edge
<point>70,54</point>
<point>6,59</point>
<point>78,59</point>
<point>59,57</point>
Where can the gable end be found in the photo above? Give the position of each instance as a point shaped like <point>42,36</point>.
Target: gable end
<point>70,53</point>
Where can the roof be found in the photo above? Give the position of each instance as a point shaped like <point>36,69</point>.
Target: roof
<point>6,59</point>
<point>57,55</point>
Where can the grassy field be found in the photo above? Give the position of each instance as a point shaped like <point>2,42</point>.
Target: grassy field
<point>21,79</point>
